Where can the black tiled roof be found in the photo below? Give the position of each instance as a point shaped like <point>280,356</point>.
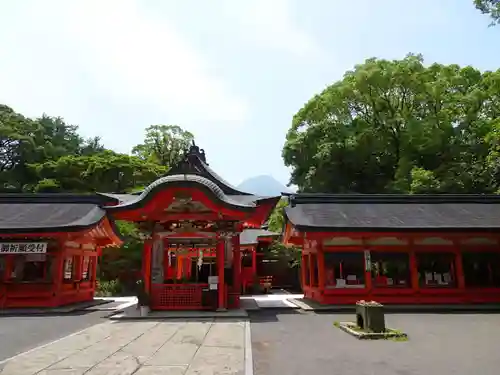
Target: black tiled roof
<point>251,236</point>
<point>97,199</point>
<point>394,212</point>
<point>17,217</point>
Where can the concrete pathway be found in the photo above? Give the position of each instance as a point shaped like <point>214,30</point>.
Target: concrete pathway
<point>274,300</point>
<point>21,333</point>
<point>134,313</point>
<point>141,348</point>
<point>122,302</point>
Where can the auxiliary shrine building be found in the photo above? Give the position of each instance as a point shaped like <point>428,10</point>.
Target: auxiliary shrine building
<point>397,249</point>
<point>49,247</point>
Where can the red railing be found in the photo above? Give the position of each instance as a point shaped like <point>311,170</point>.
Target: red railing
<point>177,296</point>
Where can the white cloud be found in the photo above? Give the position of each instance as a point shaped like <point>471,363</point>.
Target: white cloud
<point>58,55</point>
<point>272,24</point>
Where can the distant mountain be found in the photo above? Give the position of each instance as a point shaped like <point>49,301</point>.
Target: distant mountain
<point>263,185</point>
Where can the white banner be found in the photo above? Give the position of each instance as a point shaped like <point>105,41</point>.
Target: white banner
<point>23,248</point>
<point>368,261</point>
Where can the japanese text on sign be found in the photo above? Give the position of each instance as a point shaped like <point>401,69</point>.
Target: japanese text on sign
<point>23,248</point>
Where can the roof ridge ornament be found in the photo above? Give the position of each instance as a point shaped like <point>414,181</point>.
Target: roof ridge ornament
<point>194,150</point>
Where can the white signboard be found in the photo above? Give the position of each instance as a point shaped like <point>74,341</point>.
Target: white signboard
<point>23,248</point>
<point>368,260</point>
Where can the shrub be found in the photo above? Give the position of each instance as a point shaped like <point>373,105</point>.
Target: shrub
<point>109,288</point>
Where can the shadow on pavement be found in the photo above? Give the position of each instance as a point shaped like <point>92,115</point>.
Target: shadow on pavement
<point>268,316</point>
<point>177,320</point>
<point>39,314</point>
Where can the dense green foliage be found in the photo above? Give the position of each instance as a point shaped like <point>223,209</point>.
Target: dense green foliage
<point>489,7</point>
<point>164,144</point>
<point>399,127</point>
<point>276,219</point>
<point>48,155</point>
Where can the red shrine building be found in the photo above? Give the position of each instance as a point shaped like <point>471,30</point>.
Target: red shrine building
<point>191,220</point>
<point>49,247</point>
<point>397,249</point>
<point>253,242</point>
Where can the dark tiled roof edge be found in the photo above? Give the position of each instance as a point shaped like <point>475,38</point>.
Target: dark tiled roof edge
<point>251,236</point>
<point>90,219</point>
<point>33,198</point>
<point>312,228</point>
<point>391,198</point>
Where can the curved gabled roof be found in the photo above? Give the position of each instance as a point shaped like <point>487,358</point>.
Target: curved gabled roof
<point>188,181</point>
<point>251,236</point>
<point>193,172</point>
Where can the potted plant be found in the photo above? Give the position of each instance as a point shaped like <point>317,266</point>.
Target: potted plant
<point>142,298</point>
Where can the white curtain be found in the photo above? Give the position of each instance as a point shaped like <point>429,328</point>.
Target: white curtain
<point>157,262</point>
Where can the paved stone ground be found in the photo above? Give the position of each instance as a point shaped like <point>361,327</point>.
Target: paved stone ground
<point>141,348</point>
<point>21,333</point>
<point>308,343</point>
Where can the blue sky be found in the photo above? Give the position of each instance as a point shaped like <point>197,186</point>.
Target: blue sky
<point>233,72</point>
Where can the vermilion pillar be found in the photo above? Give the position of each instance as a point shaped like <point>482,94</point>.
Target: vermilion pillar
<point>459,269</point>
<point>58,270</point>
<point>303,265</point>
<point>146,264</point>
<point>236,263</point>
<point>220,272</point>
<point>311,270</point>
<point>321,267</point>
<point>254,261</point>
<point>413,268</point>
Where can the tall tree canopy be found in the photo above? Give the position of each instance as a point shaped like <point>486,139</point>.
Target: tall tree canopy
<point>276,220</point>
<point>398,126</point>
<point>164,144</point>
<point>48,155</point>
<point>106,171</point>
<point>490,7</point>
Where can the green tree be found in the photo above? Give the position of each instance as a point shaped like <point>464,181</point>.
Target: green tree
<point>16,134</point>
<point>290,256</point>
<point>164,144</point>
<point>106,171</point>
<point>123,264</point>
<point>276,219</point>
<point>396,126</point>
<point>489,7</point>
<point>25,142</point>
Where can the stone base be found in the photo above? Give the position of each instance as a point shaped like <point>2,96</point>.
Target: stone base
<point>350,328</point>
